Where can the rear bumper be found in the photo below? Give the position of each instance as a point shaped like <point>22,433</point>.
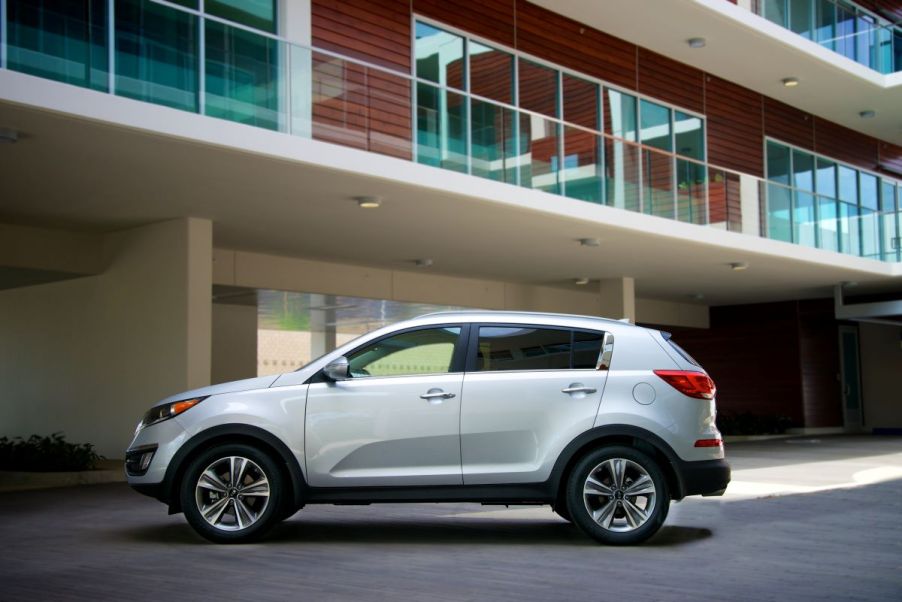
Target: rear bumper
<point>705,477</point>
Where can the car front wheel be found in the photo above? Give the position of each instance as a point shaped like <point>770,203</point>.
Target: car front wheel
<point>232,493</point>
<point>618,495</point>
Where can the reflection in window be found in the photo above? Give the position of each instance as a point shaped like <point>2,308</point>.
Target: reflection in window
<point>690,135</point>
<point>580,102</point>
<point>523,348</point>
<point>802,170</point>
<point>620,114</point>
<point>538,88</point>
<point>778,163</point>
<point>491,73</point>
<point>426,351</point>
<point>439,56</point>
<point>258,14</point>
<point>655,125</point>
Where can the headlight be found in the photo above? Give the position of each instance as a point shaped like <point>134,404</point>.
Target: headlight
<point>164,412</point>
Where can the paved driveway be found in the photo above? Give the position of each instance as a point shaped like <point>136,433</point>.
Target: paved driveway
<point>829,526</point>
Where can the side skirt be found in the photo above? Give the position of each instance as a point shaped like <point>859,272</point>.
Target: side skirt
<point>520,493</point>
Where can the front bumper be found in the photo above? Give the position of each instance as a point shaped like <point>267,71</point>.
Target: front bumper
<point>704,477</point>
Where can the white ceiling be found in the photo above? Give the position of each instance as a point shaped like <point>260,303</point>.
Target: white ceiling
<point>80,174</point>
<point>757,56</point>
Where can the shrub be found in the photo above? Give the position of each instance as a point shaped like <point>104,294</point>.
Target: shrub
<point>46,454</point>
<point>747,423</point>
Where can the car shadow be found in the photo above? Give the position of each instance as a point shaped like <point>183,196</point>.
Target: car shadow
<point>412,533</point>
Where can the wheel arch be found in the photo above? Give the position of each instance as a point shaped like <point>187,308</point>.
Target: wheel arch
<point>232,433</point>
<point>618,434</point>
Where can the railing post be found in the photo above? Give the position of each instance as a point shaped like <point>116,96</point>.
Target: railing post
<point>111,47</point>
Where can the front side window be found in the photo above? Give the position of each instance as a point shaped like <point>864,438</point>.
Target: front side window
<point>531,348</point>
<point>425,351</point>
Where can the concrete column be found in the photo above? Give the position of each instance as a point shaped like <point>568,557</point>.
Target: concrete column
<point>322,325</point>
<point>89,356</point>
<point>617,298</point>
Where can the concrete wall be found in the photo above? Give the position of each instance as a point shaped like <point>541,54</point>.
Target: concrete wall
<point>234,344</point>
<point>89,356</point>
<point>881,368</point>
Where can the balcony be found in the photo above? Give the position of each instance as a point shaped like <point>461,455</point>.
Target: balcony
<point>843,27</point>
<point>163,54</point>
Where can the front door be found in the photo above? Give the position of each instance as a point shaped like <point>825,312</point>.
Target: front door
<point>395,421</point>
<point>851,378</point>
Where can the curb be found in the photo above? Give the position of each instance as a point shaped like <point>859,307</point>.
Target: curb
<point>109,471</point>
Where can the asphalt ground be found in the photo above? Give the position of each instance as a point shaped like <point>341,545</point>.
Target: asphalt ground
<point>805,519</point>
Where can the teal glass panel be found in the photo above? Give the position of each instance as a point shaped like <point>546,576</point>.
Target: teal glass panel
<point>439,56</point>
<point>888,225</point>
<point>825,25</point>
<point>581,102</point>
<point>655,125</point>
<point>775,11</point>
<point>778,162</point>
<point>657,179</point>
<point>825,179</point>
<point>441,128</point>
<point>195,4</point>
<point>801,18</point>
<point>621,171</point>
<point>868,190</point>
<point>493,140</point>
<point>849,229</point>
<point>538,88</point>
<point>156,54</point>
<point>845,32</point>
<point>689,132</point>
<point>258,14</point>
<point>827,226</point>
<point>848,184</point>
<point>864,40</point>
<point>62,40</point>
<point>779,213</point>
<point>620,114</point>
<point>582,172</point>
<point>804,225</point>
<point>691,187</point>
<point>242,76</point>
<point>802,170</point>
<point>491,73</point>
<point>539,143</point>
<point>870,233</point>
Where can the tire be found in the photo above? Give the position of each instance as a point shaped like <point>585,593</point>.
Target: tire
<point>613,515</point>
<point>560,508</point>
<point>223,513</point>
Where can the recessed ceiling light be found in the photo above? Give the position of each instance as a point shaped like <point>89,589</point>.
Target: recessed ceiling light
<point>368,202</point>
<point>738,266</point>
<point>869,114</point>
<point>790,82</point>
<point>423,263</point>
<point>8,135</point>
<point>581,281</point>
<point>849,284</point>
<point>589,242</point>
<point>697,296</point>
<point>696,42</point>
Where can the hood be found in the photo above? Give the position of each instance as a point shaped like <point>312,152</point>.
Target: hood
<point>236,386</point>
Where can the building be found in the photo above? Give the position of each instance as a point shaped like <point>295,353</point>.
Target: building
<point>184,178</point>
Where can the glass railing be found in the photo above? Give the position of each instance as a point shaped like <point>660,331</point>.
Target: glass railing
<point>167,55</point>
<point>840,26</point>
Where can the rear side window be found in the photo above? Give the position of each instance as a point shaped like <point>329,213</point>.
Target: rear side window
<point>685,354</point>
<point>535,348</point>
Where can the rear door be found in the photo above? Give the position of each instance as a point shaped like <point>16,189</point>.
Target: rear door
<point>528,391</point>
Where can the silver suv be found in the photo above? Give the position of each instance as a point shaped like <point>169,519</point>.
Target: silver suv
<point>604,421</point>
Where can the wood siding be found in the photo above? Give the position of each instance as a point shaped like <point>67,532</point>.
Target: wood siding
<point>673,82</point>
<point>788,124</point>
<point>490,19</point>
<point>376,31</point>
<point>735,126</point>
<point>843,144</point>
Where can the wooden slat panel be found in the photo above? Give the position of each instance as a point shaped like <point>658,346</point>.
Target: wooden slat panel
<point>491,19</point>
<point>844,144</point>
<point>890,9</point>
<point>787,123</point>
<point>735,131</point>
<point>377,31</point>
<point>891,159</point>
<point>670,81</point>
<point>819,354</point>
<point>571,44</point>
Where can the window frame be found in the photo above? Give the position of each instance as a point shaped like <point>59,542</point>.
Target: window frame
<point>602,363</point>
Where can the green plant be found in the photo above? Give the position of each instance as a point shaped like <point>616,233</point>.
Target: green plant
<point>747,423</point>
<point>46,454</point>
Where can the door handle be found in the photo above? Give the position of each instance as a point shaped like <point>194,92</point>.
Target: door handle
<point>436,394</point>
<point>578,388</point>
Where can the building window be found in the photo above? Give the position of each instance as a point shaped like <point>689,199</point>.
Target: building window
<point>498,114</point>
<point>818,202</point>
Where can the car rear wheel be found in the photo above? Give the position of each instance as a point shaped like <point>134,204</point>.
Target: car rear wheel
<point>232,493</point>
<point>618,495</point>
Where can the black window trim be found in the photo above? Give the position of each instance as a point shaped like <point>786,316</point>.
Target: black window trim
<point>473,346</point>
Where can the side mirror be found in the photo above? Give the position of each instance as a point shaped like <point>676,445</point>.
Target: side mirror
<point>337,369</point>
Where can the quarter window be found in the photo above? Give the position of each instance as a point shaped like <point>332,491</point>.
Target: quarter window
<point>531,348</point>
<point>426,351</point>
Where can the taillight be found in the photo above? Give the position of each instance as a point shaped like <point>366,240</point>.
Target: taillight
<point>709,443</point>
<point>691,384</point>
